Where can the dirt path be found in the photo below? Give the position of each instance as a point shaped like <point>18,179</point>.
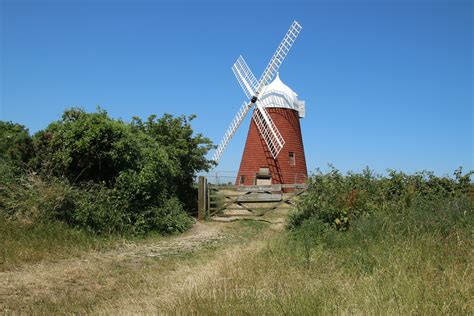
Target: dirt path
<point>33,282</point>
<point>163,292</point>
<point>137,277</point>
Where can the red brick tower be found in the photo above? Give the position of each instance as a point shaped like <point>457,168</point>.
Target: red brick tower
<point>258,165</point>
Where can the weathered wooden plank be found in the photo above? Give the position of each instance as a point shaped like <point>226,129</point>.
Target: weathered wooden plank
<point>259,188</point>
<point>238,215</point>
<point>250,209</point>
<point>288,199</point>
<point>295,186</point>
<point>222,187</point>
<point>259,197</point>
<point>208,201</point>
<point>202,199</point>
<point>224,194</point>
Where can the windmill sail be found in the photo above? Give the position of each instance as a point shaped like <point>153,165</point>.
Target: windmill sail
<point>245,77</point>
<point>252,88</point>
<point>234,125</point>
<point>279,56</point>
<point>268,130</point>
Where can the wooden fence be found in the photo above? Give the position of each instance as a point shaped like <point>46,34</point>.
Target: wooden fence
<point>256,199</point>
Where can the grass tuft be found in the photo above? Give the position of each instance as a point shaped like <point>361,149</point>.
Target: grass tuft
<point>25,242</point>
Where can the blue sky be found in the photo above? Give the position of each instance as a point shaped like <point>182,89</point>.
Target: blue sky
<point>387,84</point>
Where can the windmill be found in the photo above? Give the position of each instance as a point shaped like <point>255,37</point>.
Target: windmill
<point>274,150</point>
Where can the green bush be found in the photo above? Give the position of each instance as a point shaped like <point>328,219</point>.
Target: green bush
<point>108,176</point>
<point>337,200</point>
<point>170,218</point>
<point>86,147</point>
<point>98,210</point>
<point>27,197</point>
<point>187,151</point>
<point>439,218</point>
<point>15,143</point>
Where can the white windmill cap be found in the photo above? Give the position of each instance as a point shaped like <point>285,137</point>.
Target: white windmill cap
<point>279,95</point>
<point>278,85</point>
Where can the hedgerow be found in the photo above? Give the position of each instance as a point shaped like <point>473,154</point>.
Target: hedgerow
<point>103,174</point>
<point>336,200</point>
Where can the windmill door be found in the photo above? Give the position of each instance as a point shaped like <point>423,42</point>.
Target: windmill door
<point>263,177</point>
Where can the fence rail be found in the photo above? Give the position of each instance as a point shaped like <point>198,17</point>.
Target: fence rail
<point>256,199</point>
<point>229,178</point>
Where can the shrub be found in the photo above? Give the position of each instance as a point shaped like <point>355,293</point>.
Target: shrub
<point>98,210</point>
<point>337,200</point>
<point>29,198</point>
<point>15,143</point>
<point>187,150</point>
<point>107,176</point>
<point>170,218</point>
<point>86,147</point>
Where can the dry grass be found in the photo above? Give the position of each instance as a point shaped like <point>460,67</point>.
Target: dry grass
<point>163,292</point>
<point>365,271</point>
<point>255,268</point>
<point>113,279</point>
<point>32,242</point>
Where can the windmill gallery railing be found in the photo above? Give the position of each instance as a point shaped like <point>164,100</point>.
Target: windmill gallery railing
<point>217,195</point>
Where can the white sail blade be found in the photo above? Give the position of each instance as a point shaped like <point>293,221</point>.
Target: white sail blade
<point>234,125</point>
<point>279,56</point>
<point>245,77</point>
<point>252,89</point>
<point>268,130</point>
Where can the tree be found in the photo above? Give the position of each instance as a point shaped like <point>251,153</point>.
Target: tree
<point>187,149</point>
<point>15,143</point>
<point>121,177</point>
<point>87,147</point>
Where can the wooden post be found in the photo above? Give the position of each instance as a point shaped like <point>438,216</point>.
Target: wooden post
<point>208,201</point>
<point>205,204</point>
<point>202,198</point>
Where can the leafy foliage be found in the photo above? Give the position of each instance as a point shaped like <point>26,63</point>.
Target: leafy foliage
<point>109,176</point>
<point>336,200</point>
<point>185,149</point>
<point>86,147</point>
<point>15,143</point>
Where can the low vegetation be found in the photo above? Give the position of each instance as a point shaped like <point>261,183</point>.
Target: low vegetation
<point>138,276</point>
<point>337,200</point>
<point>27,243</point>
<point>357,243</point>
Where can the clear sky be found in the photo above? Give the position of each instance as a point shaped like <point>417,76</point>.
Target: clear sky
<point>387,83</point>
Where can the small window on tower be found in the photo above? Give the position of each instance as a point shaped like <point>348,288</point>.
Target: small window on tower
<point>242,180</point>
<point>291,156</point>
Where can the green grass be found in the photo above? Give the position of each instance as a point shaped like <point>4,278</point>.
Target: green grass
<point>22,242</point>
<point>416,262</point>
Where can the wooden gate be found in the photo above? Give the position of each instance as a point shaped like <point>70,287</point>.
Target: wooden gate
<point>232,200</point>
